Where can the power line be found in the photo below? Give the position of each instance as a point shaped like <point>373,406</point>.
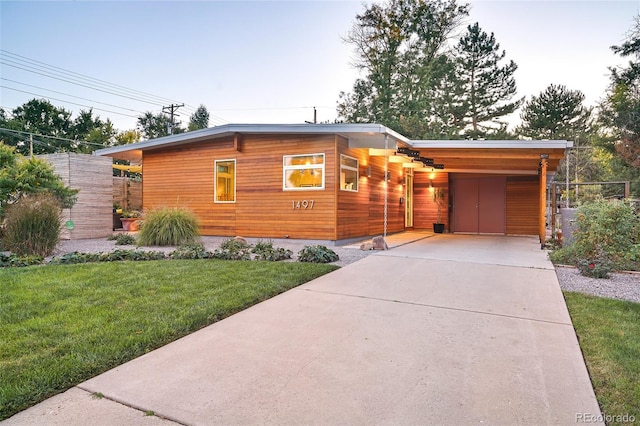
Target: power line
<point>91,80</point>
<point>72,96</point>
<point>69,102</point>
<point>4,129</point>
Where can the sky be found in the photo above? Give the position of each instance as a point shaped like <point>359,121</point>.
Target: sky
<point>265,61</point>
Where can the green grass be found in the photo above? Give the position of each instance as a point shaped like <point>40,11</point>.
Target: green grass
<point>63,324</point>
<point>609,335</point>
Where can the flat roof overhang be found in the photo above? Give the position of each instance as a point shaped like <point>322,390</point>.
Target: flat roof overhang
<point>458,156</point>
<point>358,135</point>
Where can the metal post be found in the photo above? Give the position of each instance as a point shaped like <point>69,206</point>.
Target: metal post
<point>567,152</point>
<point>386,185</point>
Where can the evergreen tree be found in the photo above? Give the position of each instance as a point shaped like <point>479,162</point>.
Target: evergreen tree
<point>556,113</point>
<point>156,125</point>
<point>488,86</point>
<point>199,119</point>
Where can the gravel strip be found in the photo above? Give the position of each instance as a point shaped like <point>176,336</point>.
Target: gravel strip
<point>622,286</point>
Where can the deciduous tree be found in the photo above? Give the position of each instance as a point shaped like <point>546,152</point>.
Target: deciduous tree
<point>199,119</point>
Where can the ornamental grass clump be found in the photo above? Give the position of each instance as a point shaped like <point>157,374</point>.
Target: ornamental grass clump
<point>32,225</point>
<point>168,226</point>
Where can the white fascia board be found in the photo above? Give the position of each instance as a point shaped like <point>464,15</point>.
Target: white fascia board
<point>490,144</point>
<point>362,131</point>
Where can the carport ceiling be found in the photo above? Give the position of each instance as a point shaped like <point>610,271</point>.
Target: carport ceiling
<point>494,160</point>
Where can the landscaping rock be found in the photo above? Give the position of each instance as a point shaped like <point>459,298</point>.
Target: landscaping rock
<point>379,243</point>
<point>366,246</point>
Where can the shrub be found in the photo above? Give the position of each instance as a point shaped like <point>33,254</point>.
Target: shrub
<point>266,251</point>
<point>233,249</point>
<point>317,254</point>
<point>11,260</point>
<point>32,225</point>
<point>116,255</point>
<point>190,251</point>
<point>124,239</point>
<point>168,227</point>
<point>605,233</point>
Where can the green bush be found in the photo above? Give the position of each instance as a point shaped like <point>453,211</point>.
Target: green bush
<point>317,254</point>
<point>266,251</point>
<point>11,260</point>
<point>168,226</point>
<point>123,239</point>
<point>190,251</point>
<point>112,256</point>
<point>32,225</point>
<point>605,234</point>
<point>233,249</point>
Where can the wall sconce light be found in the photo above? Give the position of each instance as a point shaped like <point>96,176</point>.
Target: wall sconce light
<point>402,181</point>
<point>367,171</point>
<point>430,183</point>
<point>388,176</point>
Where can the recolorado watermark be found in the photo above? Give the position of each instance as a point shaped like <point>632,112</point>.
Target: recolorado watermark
<point>605,418</point>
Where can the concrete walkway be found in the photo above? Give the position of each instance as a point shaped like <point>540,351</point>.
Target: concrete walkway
<point>446,330</point>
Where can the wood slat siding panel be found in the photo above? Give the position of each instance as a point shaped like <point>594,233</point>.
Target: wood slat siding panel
<point>92,212</point>
<point>522,205</point>
<point>377,183</point>
<point>352,207</point>
<point>425,210</point>
<point>184,176</point>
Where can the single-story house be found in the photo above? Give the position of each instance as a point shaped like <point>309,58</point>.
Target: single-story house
<point>339,182</point>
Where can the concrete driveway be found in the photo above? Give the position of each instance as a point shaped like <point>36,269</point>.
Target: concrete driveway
<point>446,330</point>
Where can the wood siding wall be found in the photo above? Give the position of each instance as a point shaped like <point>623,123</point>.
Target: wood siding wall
<point>522,205</point>
<point>425,211</point>
<point>185,177</point>
<point>92,212</point>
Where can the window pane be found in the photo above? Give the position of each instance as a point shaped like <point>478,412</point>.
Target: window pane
<point>225,181</point>
<point>349,162</point>
<point>349,180</point>
<point>301,160</point>
<point>303,178</point>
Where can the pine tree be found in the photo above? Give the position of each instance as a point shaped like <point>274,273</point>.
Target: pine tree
<point>199,119</point>
<point>488,86</point>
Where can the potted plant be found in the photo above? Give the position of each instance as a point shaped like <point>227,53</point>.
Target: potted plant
<point>130,220</point>
<point>439,197</point>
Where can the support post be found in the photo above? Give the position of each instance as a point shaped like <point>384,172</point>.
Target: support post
<point>543,202</point>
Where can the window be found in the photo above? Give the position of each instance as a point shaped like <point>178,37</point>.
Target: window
<point>302,172</point>
<point>348,173</point>
<point>225,178</point>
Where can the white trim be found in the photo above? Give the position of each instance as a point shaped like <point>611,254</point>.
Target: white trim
<point>352,169</point>
<point>215,181</point>
<point>285,167</point>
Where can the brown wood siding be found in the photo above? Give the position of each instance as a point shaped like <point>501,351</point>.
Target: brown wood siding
<point>425,210</point>
<point>184,176</point>
<point>522,205</point>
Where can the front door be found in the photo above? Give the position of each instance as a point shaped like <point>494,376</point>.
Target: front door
<point>479,205</point>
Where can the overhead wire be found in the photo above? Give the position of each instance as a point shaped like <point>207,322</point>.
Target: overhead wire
<point>72,96</point>
<point>62,100</point>
<point>50,71</point>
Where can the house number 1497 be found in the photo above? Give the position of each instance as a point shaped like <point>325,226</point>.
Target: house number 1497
<point>302,204</point>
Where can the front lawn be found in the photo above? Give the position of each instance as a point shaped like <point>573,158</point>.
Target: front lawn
<point>62,324</point>
<point>609,335</point>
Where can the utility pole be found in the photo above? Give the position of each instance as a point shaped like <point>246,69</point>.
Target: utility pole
<point>171,110</point>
